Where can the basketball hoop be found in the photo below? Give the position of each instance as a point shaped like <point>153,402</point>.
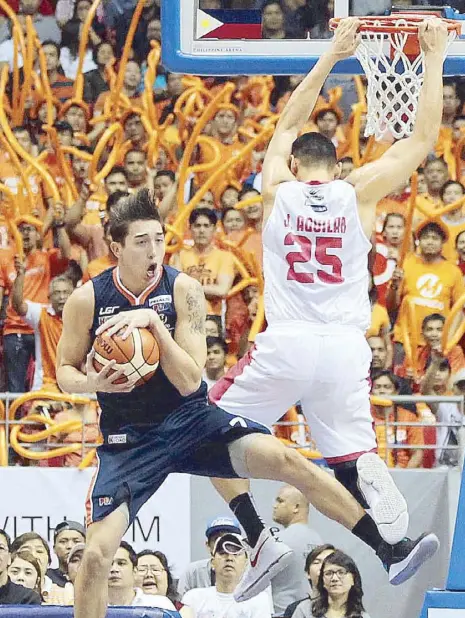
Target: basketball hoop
<point>390,55</point>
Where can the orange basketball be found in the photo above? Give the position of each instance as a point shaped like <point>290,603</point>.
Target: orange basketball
<point>139,353</point>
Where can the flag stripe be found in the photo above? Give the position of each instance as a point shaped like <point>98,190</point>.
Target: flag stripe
<point>235,32</point>
<point>230,16</point>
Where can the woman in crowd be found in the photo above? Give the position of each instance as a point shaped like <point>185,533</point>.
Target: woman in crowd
<point>154,577</point>
<point>339,589</point>
<point>25,571</point>
<point>313,565</point>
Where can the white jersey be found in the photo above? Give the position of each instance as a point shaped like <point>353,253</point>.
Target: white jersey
<point>315,256</point>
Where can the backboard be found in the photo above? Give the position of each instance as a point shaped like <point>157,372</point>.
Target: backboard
<point>201,40</point>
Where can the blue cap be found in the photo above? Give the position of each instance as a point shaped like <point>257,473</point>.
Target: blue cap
<point>222,524</point>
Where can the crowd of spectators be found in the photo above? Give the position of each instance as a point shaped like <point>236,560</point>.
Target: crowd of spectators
<point>72,144</point>
<point>318,579</point>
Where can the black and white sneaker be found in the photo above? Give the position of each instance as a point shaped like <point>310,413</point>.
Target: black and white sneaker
<point>403,560</point>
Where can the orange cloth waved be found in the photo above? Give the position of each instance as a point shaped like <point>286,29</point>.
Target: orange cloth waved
<point>49,328</point>
<point>97,266</point>
<point>380,324</point>
<point>397,435</point>
<point>433,288</point>
<point>206,268</point>
<point>36,282</point>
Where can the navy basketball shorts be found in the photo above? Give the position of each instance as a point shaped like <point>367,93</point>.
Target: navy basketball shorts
<point>134,463</point>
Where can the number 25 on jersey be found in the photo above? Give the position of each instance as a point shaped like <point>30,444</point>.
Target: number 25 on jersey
<point>317,253</point>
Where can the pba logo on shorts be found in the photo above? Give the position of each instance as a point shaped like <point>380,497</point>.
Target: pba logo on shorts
<point>105,501</point>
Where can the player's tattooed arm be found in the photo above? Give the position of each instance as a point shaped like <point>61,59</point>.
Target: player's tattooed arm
<point>195,302</point>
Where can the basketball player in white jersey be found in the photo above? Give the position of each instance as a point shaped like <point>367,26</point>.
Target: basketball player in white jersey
<point>316,241</point>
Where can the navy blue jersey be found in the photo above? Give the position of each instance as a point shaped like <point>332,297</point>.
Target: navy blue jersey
<point>150,403</point>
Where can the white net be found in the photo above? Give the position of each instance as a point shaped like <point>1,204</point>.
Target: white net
<point>394,80</point>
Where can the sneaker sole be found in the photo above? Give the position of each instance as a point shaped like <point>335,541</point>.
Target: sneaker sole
<point>390,511</point>
<point>402,571</point>
<point>262,583</point>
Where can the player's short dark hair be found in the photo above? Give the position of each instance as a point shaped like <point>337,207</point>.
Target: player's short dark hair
<point>22,539</point>
<point>247,188</point>
<point>432,317</point>
<point>211,341</point>
<point>132,554</point>
<point>450,183</point>
<point>117,169</point>
<point>314,149</point>
<point>203,212</point>
<point>139,206</point>
<point>392,214</point>
<point>385,373</point>
<point>168,173</point>
<point>432,226</point>
<point>61,126</point>
<point>316,551</point>
<point>7,538</point>
<point>115,197</point>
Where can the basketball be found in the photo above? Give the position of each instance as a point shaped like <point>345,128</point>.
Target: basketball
<point>139,353</point>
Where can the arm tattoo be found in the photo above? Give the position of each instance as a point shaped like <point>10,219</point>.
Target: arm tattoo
<point>195,307</point>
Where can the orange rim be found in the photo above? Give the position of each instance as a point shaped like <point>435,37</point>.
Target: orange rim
<point>387,23</point>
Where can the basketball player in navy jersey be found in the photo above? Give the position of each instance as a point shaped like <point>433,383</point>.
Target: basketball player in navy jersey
<point>167,424</point>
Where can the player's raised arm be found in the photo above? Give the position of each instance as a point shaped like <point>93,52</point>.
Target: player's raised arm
<point>376,180</point>
<point>301,104</point>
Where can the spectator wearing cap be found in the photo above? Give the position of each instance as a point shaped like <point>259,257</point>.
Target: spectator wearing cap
<point>212,267</point>
<point>437,382</point>
<point>38,264</point>
<point>67,535</point>
<point>122,588</point>
<point>200,574</point>
<point>291,511</point>
<point>426,280</point>
<point>11,593</point>
<point>229,560</point>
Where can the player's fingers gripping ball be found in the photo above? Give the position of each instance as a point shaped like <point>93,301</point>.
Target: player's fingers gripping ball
<point>139,354</point>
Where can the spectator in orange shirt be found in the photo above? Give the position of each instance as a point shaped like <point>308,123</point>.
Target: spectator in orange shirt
<point>234,221</point>
<point>436,174</point>
<point>135,166</point>
<point>378,353</point>
<point>76,115</point>
<point>451,192</point>
<point>427,280</point>
<point>45,320</point>
<point>97,266</point>
<point>385,384</point>
<point>213,267</point>
<point>131,81</point>
<point>62,87</point>
<point>18,340</point>
<point>254,212</point>
<point>460,248</point>
<point>432,329</point>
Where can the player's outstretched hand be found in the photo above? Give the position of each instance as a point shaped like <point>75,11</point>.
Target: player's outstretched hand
<point>125,322</point>
<point>103,381</point>
<point>432,34</point>
<point>346,38</point>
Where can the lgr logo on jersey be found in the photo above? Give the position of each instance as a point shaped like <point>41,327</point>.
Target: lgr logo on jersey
<point>315,200</point>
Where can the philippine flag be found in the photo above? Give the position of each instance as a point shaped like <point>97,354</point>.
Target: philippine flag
<point>229,24</point>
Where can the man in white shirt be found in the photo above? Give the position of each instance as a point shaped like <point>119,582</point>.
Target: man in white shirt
<point>200,574</point>
<point>121,582</point>
<point>291,510</point>
<point>229,561</point>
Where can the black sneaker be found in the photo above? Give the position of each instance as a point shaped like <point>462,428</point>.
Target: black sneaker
<point>403,560</point>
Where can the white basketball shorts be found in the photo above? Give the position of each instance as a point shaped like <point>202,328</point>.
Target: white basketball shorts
<point>325,367</point>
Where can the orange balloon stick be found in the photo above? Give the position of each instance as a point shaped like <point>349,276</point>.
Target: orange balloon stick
<point>83,40</point>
